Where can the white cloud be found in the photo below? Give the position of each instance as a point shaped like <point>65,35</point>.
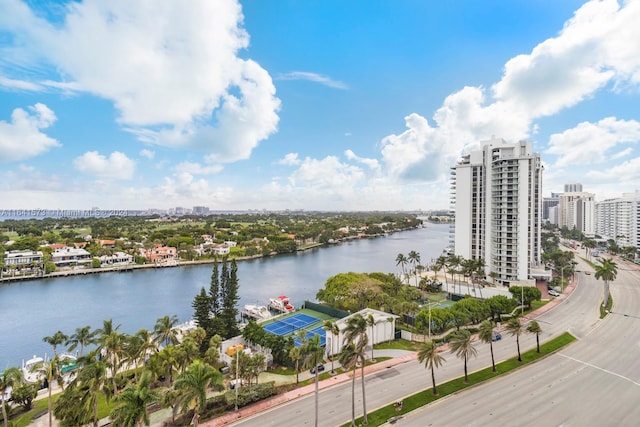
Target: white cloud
<point>312,77</point>
<point>326,173</point>
<point>116,166</point>
<point>290,159</point>
<point>594,143</point>
<point>172,72</point>
<point>149,154</point>
<point>19,84</point>
<point>371,163</point>
<point>197,168</point>
<point>22,137</point>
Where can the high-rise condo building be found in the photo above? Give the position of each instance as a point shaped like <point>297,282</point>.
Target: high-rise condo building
<point>577,210</point>
<point>573,187</point>
<point>619,219</point>
<point>498,209</point>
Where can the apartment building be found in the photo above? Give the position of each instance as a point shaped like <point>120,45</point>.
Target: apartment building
<point>577,210</point>
<point>619,219</point>
<point>496,194</point>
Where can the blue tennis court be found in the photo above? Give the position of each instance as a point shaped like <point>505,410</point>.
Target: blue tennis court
<point>319,330</point>
<point>290,324</point>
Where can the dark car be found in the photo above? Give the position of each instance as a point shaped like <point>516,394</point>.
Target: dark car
<point>496,337</point>
<point>320,368</point>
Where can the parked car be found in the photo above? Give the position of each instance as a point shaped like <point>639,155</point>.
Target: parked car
<point>496,337</point>
<point>320,368</point>
<point>553,293</point>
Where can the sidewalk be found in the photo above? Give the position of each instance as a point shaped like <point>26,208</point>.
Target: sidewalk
<point>308,389</point>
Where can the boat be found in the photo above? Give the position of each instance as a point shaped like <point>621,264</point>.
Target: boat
<point>281,304</point>
<point>257,312</point>
<point>67,363</point>
<point>28,368</point>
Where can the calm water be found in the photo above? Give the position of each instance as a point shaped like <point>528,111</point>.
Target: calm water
<point>35,309</point>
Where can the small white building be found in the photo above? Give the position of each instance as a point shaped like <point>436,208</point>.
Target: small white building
<point>383,330</point>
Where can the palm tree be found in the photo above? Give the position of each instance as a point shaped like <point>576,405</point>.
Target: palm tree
<point>534,328</point>
<point>607,271</point>
<point>313,357</point>
<point>132,403</point>
<point>402,260</point>
<point>92,378</point>
<point>356,333</point>
<point>371,321</point>
<point>429,355</point>
<point>349,360</point>
<point>51,372</point>
<point>81,337</point>
<point>462,346</point>
<point>55,340</point>
<point>113,345</point>
<point>8,380</point>
<point>193,385</point>
<point>332,327</point>
<point>514,327</point>
<point>295,353</point>
<point>164,330</point>
<point>414,258</point>
<point>485,333</point>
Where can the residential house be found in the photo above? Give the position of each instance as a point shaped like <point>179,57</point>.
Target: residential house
<point>70,256</point>
<point>119,258</point>
<point>160,254</point>
<point>107,243</point>
<point>22,258</point>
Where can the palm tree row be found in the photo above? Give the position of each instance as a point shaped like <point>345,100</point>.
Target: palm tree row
<point>462,345</point>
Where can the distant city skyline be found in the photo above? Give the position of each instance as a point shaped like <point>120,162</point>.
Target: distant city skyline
<point>329,106</point>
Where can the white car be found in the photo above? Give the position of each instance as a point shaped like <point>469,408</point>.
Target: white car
<point>553,293</point>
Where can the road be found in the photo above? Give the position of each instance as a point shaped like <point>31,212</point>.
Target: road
<point>594,382</point>
<point>554,378</point>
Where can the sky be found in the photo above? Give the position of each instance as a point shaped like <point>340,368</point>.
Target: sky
<point>308,104</point>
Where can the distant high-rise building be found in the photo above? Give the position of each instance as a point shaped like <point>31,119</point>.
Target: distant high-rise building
<point>549,202</point>
<point>619,219</point>
<point>578,211</point>
<point>574,187</point>
<point>200,210</point>
<point>498,208</point>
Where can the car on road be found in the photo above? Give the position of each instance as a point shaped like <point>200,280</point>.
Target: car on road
<point>588,273</point>
<point>320,368</point>
<point>553,293</point>
<point>496,336</point>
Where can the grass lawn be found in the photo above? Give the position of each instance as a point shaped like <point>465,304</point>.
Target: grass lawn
<point>397,345</point>
<point>40,406</point>
<point>424,397</point>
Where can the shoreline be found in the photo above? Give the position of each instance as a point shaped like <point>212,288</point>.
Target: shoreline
<point>133,267</point>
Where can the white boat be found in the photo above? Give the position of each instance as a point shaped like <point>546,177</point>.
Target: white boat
<point>28,369</point>
<point>281,304</point>
<point>257,312</point>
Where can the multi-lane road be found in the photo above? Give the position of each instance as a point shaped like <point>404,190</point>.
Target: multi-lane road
<point>595,381</point>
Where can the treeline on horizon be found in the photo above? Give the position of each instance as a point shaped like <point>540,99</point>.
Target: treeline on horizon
<point>254,233</point>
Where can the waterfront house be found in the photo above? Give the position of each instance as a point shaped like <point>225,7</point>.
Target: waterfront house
<point>160,254</point>
<point>22,258</point>
<point>70,256</point>
<point>119,258</point>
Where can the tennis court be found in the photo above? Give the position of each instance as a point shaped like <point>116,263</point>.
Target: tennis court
<point>319,330</point>
<point>290,324</point>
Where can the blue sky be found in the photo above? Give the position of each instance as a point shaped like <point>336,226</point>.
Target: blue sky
<point>302,104</point>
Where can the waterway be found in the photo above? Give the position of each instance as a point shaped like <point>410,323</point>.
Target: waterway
<point>35,309</point>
